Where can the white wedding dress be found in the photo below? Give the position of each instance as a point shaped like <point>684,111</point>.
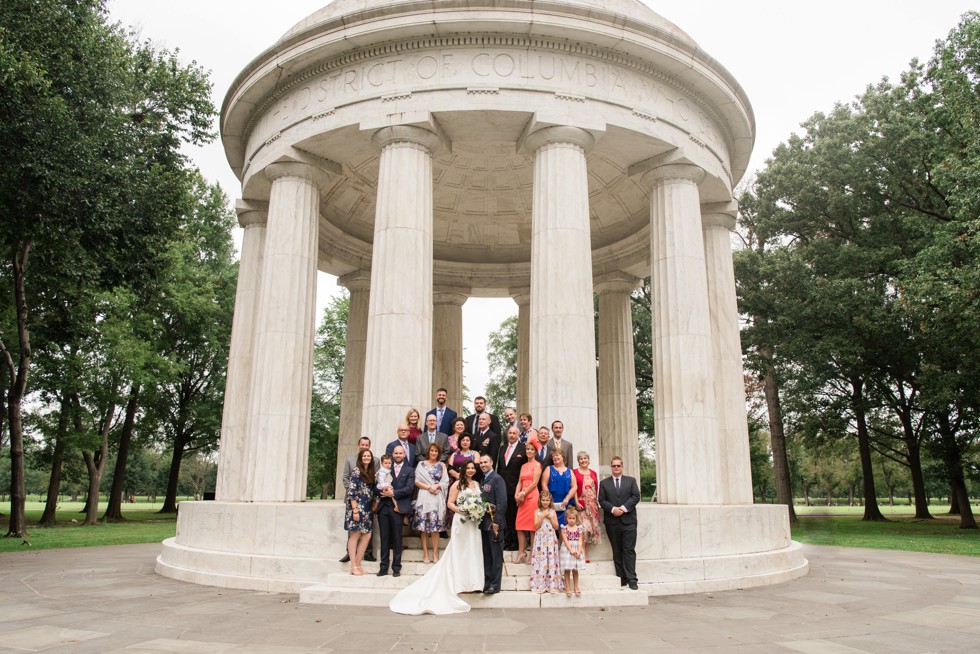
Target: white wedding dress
<point>459,570</point>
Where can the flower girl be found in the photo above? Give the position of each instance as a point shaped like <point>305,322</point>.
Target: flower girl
<point>545,568</point>
<point>571,556</point>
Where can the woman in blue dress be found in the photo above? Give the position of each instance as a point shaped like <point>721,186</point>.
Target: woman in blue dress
<point>358,517</point>
<point>560,482</point>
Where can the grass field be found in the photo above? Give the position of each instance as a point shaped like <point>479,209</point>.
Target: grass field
<point>143,525</point>
<point>818,525</point>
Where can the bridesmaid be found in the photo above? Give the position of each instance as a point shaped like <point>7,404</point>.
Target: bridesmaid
<point>558,479</point>
<point>526,497</point>
<point>587,485</point>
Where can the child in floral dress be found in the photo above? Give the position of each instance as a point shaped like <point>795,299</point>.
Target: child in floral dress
<point>545,567</point>
<point>571,556</point>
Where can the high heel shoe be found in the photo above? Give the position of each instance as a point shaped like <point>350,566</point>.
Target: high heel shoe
<point>357,571</point>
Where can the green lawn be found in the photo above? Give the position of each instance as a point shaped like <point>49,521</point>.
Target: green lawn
<point>143,525</point>
<point>901,532</point>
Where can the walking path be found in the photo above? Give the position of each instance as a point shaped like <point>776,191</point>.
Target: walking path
<point>108,599</point>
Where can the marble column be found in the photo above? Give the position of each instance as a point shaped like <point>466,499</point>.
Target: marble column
<point>252,216</point>
<point>398,360</point>
<point>689,465</point>
<point>523,345</point>
<point>447,348</point>
<point>717,223</point>
<point>618,427</point>
<point>358,285</point>
<point>278,433</point>
<point>562,383</point>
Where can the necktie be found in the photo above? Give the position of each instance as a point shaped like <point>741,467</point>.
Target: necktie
<point>398,469</point>
<point>510,448</point>
<point>441,412</point>
<point>617,483</point>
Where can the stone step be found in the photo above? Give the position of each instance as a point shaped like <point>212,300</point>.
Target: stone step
<point>506,599</point>
<point>520,582</point>
<point>410,555</point>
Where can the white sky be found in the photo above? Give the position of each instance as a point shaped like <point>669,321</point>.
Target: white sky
<point>792,58</point>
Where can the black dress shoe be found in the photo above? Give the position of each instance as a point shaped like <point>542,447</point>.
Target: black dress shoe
<point>382,572</point>
<point>633,586</point>
<point>622,582</point>
<point>370,557</point>
<point>491,591</point>
<point>346,559</point>
<point>396,573</point>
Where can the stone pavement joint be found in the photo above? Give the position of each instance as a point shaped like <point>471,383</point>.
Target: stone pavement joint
<point>107,599</point>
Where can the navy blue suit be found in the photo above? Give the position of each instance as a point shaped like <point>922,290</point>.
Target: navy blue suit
<point>446,426</point>
<point>409,451</point>
<point>494,491</point>
<point>390,512</point>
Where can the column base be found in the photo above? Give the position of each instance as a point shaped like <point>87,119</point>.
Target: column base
<point>295,547</point>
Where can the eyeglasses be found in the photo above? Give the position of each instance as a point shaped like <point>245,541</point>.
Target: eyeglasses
<point>616,466</point>
<point>401,430</point>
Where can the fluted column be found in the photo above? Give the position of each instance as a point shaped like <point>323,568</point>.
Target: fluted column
<point>398,361</point>
<point>447,346</point>
<point>562,354</point>
<point>252,216</point>
<point>619,433</point>
<point>717,222</point>
<point>358,284</point>
<point>689,465</point>
<point>278,431</point>
<point>523,346</point>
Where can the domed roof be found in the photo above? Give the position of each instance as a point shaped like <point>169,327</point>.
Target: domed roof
<point>631,9</point>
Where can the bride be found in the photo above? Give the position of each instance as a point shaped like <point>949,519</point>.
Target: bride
<point>459,570</point>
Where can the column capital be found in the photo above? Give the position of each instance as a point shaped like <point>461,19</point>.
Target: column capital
<point>281,169</point>
<point>616,282</point>
<point>531,142</point>
<point>407,134</point>
<point>449,296</point>
<point>676,171</point>
<point>719,214</point>
<point>359,280</point>
<point>251,212</point>
<point>522,296</point>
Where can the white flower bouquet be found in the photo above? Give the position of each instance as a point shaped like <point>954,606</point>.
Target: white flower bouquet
<point>471,505</point>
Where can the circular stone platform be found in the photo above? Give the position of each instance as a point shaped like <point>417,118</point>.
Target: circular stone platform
<point>295,547</point>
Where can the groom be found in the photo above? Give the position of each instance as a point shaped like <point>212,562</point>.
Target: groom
<point>494,492</point>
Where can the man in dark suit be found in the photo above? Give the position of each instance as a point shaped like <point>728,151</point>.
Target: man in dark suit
<point>485,440</point>
<point>493,529</point>
<point>473,421</point>
<point>428,437</point>
<point>512,456</point>
<point>396,501</point>
<point>402,441</point>
<point>618,497</point>
<point>443,413</point>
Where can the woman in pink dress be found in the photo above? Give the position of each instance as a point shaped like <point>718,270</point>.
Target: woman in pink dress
<point>526,496</point>
<point>588,502</point>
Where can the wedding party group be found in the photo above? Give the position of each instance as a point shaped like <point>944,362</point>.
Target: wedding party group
<point>449,475</point>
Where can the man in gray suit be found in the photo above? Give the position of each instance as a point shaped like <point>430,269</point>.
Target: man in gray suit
<point>559,443</point>
<point>618,497</point>
<point>428,437</point>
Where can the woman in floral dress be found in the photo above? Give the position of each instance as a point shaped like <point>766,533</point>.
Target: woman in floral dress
<point>358,518</point>
<point>587,483</point>
<point>432,482</point>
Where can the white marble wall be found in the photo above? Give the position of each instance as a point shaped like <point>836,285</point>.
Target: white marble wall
<point>562,344</point>
<point>447,348</point>
<point>523,357</point>
<point>358,284</point>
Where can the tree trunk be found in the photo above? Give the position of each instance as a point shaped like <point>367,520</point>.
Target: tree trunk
<point>170,501</point>
<point>918,482</point>
<point>954,501</point>
<point>871,510</point>
<point>952,455</point>
<point>50,516</point>
<point>967,520</point>
<point>806,493</point>
<point>780,462</point>
<point>113,512</point>
<point>16,526</point>
<point>95,463</point>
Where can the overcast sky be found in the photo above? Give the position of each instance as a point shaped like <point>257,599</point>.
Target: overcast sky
<point>792,59</point>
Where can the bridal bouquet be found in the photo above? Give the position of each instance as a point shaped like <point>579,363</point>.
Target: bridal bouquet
<point>471,505</point>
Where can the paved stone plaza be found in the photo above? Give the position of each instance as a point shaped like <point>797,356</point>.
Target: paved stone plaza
<point>108,599</point>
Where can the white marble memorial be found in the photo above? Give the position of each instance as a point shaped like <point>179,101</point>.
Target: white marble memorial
<point>425,153</point>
